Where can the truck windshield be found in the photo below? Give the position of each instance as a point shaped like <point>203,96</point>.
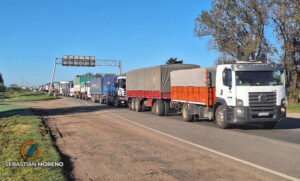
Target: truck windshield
<point>122,83</point>
<point>259,78</point>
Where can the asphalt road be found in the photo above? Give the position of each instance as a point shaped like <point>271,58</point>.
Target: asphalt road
<point>277,149</point>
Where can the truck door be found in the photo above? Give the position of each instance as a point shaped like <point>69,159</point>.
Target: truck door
<point>226,90</point>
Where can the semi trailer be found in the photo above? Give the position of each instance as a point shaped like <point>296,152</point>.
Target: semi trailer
<point>228,94</point>
<point>79,83</point>
<point>109,90</point>
<point>150,88</point>
<point>64,88</point>
<point>85,91</point>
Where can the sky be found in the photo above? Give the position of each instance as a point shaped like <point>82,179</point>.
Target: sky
<point>140,33</point>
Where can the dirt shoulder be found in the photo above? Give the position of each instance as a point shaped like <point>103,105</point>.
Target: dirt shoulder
<point>101,147</point>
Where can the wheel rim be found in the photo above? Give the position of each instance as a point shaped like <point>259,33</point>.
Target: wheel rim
<point>220,117</point>
<point>184,112</point>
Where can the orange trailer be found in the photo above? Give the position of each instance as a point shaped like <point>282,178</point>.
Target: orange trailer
<point>193,90</point>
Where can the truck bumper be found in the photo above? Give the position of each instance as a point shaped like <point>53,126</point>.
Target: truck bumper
<point>248,115</point>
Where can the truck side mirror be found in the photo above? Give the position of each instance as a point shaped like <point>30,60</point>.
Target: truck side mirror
<point>116,84</point>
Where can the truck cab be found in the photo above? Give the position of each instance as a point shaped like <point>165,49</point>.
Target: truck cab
<point>121,86</point>
<point>250,93</point>
<point>121,91</point>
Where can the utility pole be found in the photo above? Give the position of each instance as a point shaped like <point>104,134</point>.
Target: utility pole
<point>51,84</point>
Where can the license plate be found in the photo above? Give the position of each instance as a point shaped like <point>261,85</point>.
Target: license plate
<point>263,114</point>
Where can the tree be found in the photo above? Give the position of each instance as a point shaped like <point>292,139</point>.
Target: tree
<point>2,87</point>
<point>98,75</point>
<point>237,29</point>
<point>224,59</point>
<point>89,74</point>
<point>174,61</point>
<point>285,16</point>
<point>109,74</point>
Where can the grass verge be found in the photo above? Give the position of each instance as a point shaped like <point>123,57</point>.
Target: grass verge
<point>19,125</point>
<point>20,96</point>
<point>293,108</point>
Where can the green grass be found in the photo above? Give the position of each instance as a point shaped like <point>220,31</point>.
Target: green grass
<point>21,96</point>
<point>293,108</point>
<point>19,125</point>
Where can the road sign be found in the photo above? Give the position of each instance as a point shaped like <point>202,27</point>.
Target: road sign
<point>81,61</point>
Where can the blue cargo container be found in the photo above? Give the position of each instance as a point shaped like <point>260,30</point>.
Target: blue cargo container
<point>109,85</point>
<point>96,86</point>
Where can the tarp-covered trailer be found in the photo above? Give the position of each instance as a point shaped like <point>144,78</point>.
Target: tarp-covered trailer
<point>64,88</point>
<point>109,90</point>
<point>193,90</point>
<point>150,87</point>
<point>96,89</point>
<point>79,82</point>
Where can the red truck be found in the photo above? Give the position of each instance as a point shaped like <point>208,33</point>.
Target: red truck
<point>150,88</point>
<point>245,92</point>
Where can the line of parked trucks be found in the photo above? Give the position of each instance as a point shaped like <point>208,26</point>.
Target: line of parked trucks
<point>228,94</point>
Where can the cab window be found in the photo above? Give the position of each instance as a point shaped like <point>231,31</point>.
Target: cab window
<point>227,77</point>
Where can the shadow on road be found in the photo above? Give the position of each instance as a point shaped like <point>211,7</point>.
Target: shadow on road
<point>288,123</point>
<point>70,110</point>
<point>16,112</point>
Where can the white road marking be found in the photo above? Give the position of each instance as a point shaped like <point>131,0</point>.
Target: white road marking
<point>210,150</point>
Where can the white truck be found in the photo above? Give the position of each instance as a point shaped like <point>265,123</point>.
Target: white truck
<point>231,93</point>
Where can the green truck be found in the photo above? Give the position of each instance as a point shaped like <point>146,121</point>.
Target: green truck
<point>79,86</point>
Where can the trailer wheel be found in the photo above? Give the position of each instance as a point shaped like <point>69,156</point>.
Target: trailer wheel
<point>143,107</point>
<point>153,109</point>
<point>167,108</point>
<point>129,104</point>
<point>160,107</point>
<point>186,115</point>
<point>93,99</point>
<point>107,102</point>
<point>220,117</point>
<point>133,104</point>
<point>138,106</point>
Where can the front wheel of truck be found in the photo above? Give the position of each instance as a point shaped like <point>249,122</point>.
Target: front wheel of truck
<point>220,117</point>
<point>118,103</point>
<point>269,125</point>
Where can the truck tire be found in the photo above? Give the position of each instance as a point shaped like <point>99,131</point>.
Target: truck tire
<point>153,109</point>
<point>186,115</point>
<point>107,102</point>
<point>130,104</point>
<point>133,104</point>
<point>167,108</point>
<point>118,103</point>
<point>220,117</point>
<point>143,106</point>
<point>138,106</point>
<point>160,108</point>
<point>269,125</point>
<point>93,99</point>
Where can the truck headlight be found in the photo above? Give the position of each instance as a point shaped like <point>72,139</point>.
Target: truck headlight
<point>284,101</point>
<point>282,110</point>
<point>239,102</point>
<point>240,111</point>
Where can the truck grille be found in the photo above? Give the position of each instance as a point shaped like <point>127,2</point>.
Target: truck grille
<point>262,102</point>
